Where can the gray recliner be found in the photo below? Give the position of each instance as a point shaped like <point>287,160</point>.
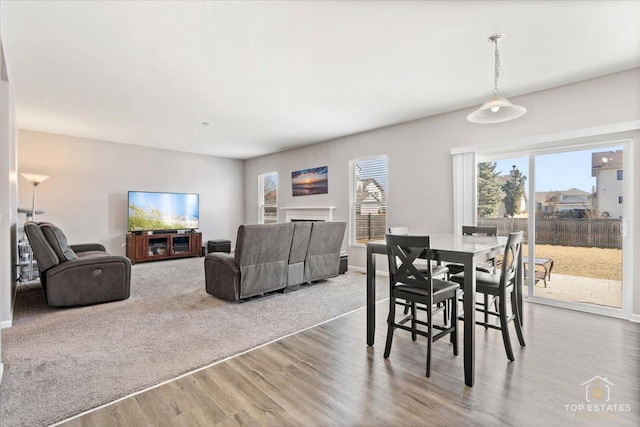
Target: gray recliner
<point>259,264</point>
<point>73,275</point>
<point>272,257</point>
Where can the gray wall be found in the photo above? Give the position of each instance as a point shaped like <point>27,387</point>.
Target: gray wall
<point>8,166</point>
<point>86,194</point>
<point>420,164</point>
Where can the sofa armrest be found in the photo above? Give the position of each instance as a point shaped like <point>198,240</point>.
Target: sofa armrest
<point>88,281</point>
<point>222,276</point>
<point>84,247</point>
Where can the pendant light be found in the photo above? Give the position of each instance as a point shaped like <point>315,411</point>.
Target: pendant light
<point>497,109</point>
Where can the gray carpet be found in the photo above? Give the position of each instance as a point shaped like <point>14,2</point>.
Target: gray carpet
<point>60,362</point>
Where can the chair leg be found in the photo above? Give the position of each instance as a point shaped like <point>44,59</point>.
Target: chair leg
<point>486,310</point>
<point>454,324</point>
<point>414,336</point>
<point>446,312</point>
<point>429,338</point>
<point>391,321</point>
<point>516,318</point>
<point>504,326</point>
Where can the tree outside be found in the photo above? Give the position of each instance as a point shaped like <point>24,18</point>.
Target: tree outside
<point>489,190</point>
<point>513,190</point>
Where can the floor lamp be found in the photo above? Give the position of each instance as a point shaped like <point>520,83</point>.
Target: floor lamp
<point>35,180</point>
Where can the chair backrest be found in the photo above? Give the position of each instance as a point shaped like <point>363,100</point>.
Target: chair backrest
<point>469,230</point>
<point>323,255</point>
<point>510,259</point>
<point>49,244</point>
<point>300,242</point>
<point>263,243</point>
<point>42,250</point>
<point>402,252</point>
<point>262,254</point>
<point>402,231</point>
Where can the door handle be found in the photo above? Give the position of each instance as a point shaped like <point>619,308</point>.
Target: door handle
<point>624,228</point>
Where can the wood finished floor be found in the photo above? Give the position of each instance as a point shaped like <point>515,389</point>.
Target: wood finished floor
<point>327,376</point>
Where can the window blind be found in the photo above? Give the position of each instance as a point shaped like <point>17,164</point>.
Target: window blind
<point>368,199</point>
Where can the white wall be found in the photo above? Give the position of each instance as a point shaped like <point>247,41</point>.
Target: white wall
<point>420,165</point>
<point>86,194</point>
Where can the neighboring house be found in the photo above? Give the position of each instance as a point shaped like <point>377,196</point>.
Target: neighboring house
<point>571,200</point>
<point>370,196</point>
<point>606,166</point>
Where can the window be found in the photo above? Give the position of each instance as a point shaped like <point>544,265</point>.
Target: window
<point>268,198</point>
<point>619,174</point>
<point>368,216</point>
<point>619,199</point>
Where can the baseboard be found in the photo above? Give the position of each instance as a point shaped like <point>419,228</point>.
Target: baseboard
<point>364,270</point>
<point>6,324</point>
<point>635,318</point>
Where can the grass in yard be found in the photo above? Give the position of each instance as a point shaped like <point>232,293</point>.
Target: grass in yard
<point>596,263</point>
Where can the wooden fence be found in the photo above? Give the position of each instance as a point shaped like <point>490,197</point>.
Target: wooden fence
<point>370,227</point>
<point>599,233</point>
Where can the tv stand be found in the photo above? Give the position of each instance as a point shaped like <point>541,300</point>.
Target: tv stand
<point>152,247</point>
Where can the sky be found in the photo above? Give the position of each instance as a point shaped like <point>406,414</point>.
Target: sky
<point>558,171</point>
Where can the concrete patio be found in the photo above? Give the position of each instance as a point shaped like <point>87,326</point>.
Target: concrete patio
<point>581,289</point>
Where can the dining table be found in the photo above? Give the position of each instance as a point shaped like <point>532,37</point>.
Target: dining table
<point>465,250</point>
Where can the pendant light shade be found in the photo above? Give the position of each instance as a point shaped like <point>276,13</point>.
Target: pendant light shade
<point>497,109</point>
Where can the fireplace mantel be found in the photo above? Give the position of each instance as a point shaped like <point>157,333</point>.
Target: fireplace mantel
<point>308,213</point>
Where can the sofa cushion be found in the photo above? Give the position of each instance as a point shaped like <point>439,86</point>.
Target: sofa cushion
<point>58,242</point>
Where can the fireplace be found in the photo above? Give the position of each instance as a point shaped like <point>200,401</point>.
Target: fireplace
<point>308,213</point>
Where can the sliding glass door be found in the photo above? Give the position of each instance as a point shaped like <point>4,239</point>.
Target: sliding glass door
<point>579,213</point>
<point>570,204</point>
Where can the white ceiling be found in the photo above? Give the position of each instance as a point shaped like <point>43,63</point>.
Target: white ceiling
<point>274,75</point>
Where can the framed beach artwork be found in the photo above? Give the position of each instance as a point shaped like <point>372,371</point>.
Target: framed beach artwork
<point>310,181</point>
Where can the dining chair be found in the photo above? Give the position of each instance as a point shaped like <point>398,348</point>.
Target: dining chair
<point>487,267</point>
<point>414,285</point>
<point>437,269</point>
<point>500,286</point>
<point>468,230</point>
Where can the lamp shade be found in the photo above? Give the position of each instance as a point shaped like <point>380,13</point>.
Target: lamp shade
<point>495,110</point>
<point>34,178</point>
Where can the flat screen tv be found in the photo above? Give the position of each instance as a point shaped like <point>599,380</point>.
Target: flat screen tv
<point>149,211</point>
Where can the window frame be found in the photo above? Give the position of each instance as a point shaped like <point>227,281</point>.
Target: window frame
<point>353,204</point>
<point>261,204</point>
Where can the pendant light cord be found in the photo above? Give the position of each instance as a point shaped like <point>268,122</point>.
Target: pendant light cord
<point>496,76</point>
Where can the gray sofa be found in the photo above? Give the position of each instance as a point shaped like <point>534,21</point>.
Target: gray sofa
<point>73,275</point>
<point>272,257</point>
